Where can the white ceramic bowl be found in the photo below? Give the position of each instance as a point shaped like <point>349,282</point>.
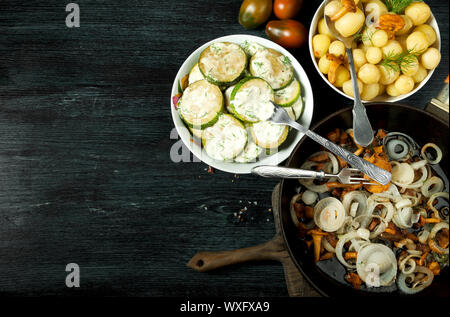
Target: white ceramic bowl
<point>285,149</point>
<point>385,97</point>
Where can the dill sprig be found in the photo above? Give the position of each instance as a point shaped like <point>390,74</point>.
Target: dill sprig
<point>365,36</point>
<point>398,6</point>
<point>401,61</point>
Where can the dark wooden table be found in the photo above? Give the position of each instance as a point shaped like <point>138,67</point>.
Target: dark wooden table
<point>85,171</point>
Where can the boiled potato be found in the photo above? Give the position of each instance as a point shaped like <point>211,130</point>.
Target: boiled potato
<point>323,29</point>
<point>359,57</point>
<point>369,74</point>
<point>392,48</point>
<point>407,27</point>
<point>370,91</point>
<point>374,55</point>
<point>381,90</point>
<point>342,75</point>
<point>380,38</point>
<point>347,87</point>
<point>421,74</point>
<point>321,43</point>
<point>366,36</point>
<point>332,8</point>
<point>337,48</point>
<point>388,74</point>
<point>350,23</point>
<point>429,33</point>
<point>431,58</point>
<point>417,42</point>
<point>324,64</point>
<point>363,48</point>
<point>418,12</point>
<point>404,84</point>
<point>392,91</point>
<point>402,41</point>
<point>411,67</point>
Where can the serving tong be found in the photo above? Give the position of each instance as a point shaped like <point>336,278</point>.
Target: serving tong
<point>348,176</point>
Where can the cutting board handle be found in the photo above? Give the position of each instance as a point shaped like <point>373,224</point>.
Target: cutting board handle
<point>270,250</point>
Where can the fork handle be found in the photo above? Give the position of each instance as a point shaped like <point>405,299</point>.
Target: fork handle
<point>285,172</point>
<point>376,173</point>
<point>362,130</point>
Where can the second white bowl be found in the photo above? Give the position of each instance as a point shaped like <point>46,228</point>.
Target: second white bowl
<point>313,31</point>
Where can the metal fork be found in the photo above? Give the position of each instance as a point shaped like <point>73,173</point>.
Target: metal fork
<point>350,176</point>
<point>280,116</point>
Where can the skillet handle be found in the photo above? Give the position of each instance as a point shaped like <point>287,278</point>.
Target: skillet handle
<point>270,250</point>
<point>439,105</point>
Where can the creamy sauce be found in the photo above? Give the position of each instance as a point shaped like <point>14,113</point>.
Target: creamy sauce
<point>268,133</point>
<point>285,95</point>
<point>276,70</point>
<point>195,75</point>
<point>253,103</point>
<point>250,154</point>
<point>251,48</point>
<point>199,100</point>
<point>226,139</point>
<point>223,61</point>
<point>227,96</point>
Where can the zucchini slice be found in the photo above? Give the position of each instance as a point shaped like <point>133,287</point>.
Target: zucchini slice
<point>251,100</point>
<point>250,153</point>
<point>195,74</point>
<point>227,95</point>
<point>273,67</point>
<point>196,132</point>
<point>251,48</point>
<point>226,139</point>
<point>287,96</point>
<point>200,104</point>
<point>223,64</point>
<point>298,107</point>
<point>291,113</point>
<point>268,135</point>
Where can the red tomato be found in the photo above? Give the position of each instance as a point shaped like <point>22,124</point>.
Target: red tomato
<point>287,33</point>
<point>287,9</point>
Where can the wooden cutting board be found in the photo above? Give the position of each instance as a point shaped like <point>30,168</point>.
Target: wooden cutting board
<point>274,249</point>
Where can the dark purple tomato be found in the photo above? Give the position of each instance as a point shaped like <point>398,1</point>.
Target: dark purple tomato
<point>253,13</point>
<point>287,33</point>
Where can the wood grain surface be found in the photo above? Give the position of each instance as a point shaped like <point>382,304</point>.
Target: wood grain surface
<point>85,170</point>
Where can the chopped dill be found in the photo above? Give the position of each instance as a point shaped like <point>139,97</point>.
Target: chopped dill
<point>365,36</point>
<point>286,61</point>
<point>216,49</point>
<point>402,61</point>
<point>259,64</point>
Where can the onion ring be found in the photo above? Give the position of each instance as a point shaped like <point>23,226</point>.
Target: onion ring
<point>401,281</point>
<point>438,153</point>
<point>432,199</point>
<point>438,227</point>
<point>433,181</point>
<point>329,214</point>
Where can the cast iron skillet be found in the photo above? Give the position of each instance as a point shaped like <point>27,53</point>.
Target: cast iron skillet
<point>328,276</point>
